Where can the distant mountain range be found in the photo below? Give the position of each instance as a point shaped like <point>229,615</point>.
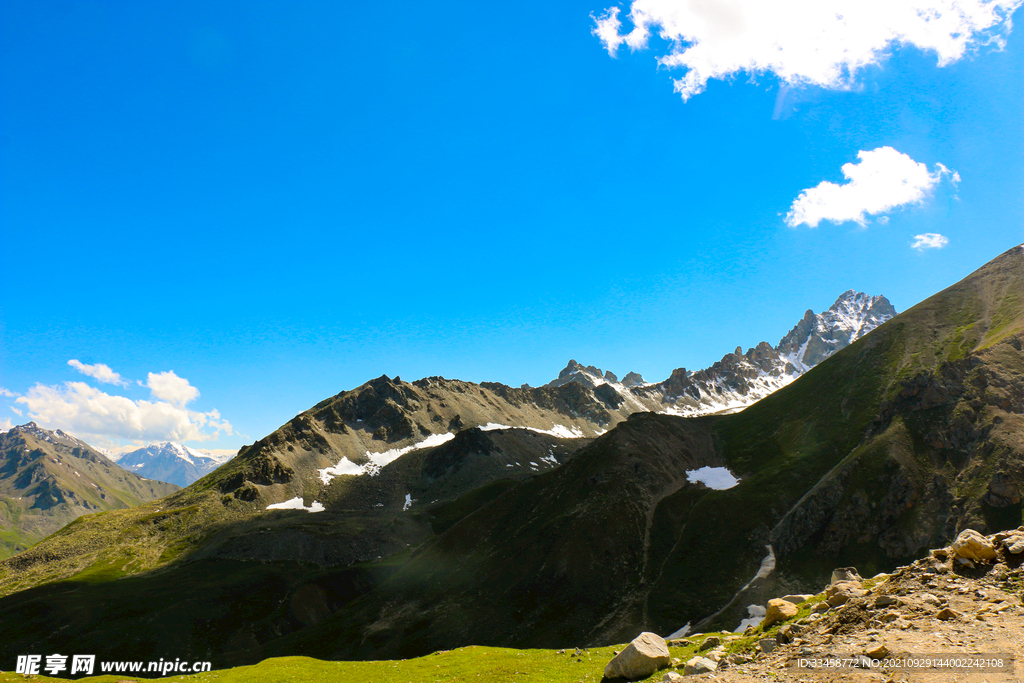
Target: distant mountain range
<point>170,462</point>
<point>48,479</point>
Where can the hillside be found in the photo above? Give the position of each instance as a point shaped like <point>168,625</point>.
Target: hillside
<point>885,448</point>
<point>48,479</point>
<point>915,624</point>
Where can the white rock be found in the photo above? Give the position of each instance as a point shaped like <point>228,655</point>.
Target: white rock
<point>647,653</point>
<point>971,545</point>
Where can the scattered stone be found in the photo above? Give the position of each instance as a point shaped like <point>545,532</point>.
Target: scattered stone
<point>679,642</point>
<point>798,598</point>
<point>1017,547</point>
<point>671,677</point>
<point>737,658</point>
<point>973,546</point>
<point>947,614</point>
<point>885,601</point>
<point>929,599</point>
<point>716,656</point>
<point>787,633</point>
<point>877,651</point>
<point>700,665</point>
<point>820,607</point>
<point>647,653</point>
<point>888,617</point>
<point>779,610</point>
<point>767,645</point>
<point>710,642</point>
<point>675,661</point>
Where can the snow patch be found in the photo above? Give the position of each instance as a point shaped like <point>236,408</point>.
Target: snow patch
<point>718,478</point>
<point>408,502</point>
<point>297,504</point>
<point>379,460</point>
<point>755,615</point>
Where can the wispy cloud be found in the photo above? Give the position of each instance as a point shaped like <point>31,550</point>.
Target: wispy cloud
<point>7,392</point>
<point>929,240</point>
<point>883,180</point>
<point>5,424</point>
<point>99,372</point>
<point>817,42</point>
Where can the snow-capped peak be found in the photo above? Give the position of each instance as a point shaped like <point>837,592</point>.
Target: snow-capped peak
<point>170,461</point>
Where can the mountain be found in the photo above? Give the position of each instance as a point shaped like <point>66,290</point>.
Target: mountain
<point>170,462</point>
<point>48,479</point>
<point>405,517</point>
<point>739,380</point>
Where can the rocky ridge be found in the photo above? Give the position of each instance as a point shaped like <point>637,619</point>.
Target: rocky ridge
<point>740,379</point>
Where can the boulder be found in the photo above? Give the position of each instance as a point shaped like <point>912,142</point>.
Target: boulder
<point>767,644</point>
<point>798,598</point>
<point>700,665</point>
<point>841,592</point>
<point>973,546</point>
<point>1013,541</point>
<point>647,653</point>
<point>710,642</point>
<point>779,610</point>
<point>845,574</point>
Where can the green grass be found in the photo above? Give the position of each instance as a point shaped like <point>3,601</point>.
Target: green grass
<point>492,664</point>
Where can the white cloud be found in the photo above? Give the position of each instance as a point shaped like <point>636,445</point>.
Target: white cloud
<point>87,412</point>
<point>99,372</point>
<point>818,42</point>
<point>17,412</point>
<point>929,240</point>
<point>170,387</point>
<point>883,180</point>
<point>7,392</point>
<point>5,424</point>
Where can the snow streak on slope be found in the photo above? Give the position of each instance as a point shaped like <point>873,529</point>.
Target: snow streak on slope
<point>297,504</point>
<point>379,460</point>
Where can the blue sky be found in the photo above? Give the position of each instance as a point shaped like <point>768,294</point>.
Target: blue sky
<point>276,203</point>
